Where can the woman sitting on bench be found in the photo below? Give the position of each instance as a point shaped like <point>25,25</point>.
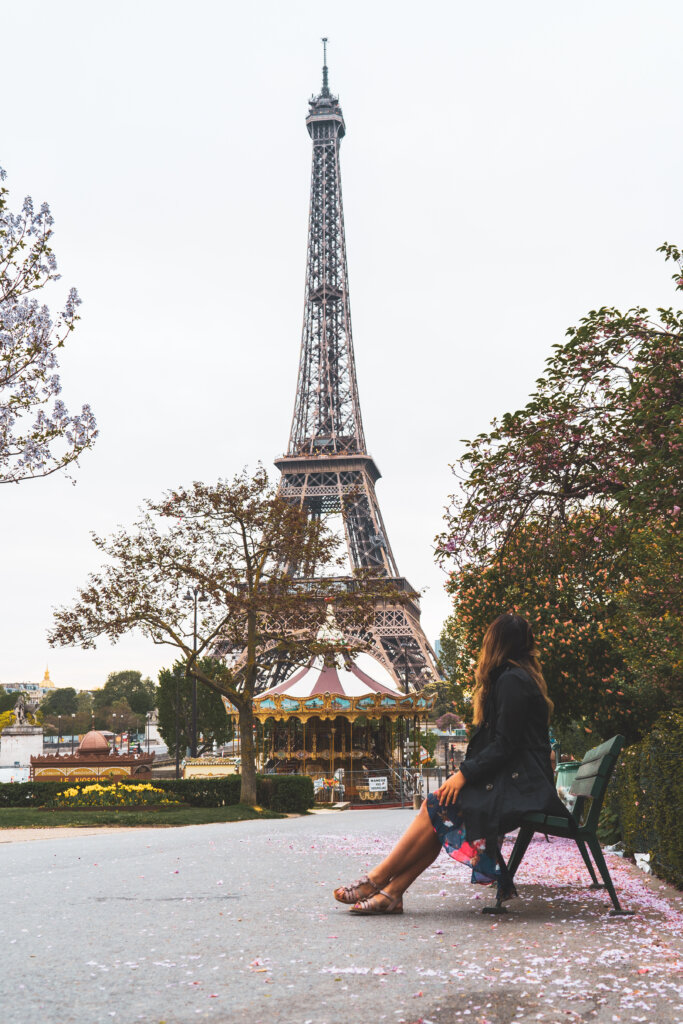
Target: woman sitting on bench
<point>506,773</point>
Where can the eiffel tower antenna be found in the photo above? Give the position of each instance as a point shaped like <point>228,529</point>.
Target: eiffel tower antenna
<point>327,468</point>
<point>326,89</point>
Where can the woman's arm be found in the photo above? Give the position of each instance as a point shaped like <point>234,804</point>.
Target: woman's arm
<point>512,703</point>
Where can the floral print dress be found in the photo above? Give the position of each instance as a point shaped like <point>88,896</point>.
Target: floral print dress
<point>450,828</point>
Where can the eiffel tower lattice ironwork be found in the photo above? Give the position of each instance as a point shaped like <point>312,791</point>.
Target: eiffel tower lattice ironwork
<point>327,468</point>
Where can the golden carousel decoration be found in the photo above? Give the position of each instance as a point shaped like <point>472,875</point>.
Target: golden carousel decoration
<point>339,715</point>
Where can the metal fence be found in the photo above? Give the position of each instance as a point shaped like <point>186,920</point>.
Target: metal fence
<point>368,788</point>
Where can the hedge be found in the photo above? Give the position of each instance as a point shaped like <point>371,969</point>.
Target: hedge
<point>647,797</point>
<point>286,794</point>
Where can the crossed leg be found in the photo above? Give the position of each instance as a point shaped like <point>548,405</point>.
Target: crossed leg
<point>417,848</point>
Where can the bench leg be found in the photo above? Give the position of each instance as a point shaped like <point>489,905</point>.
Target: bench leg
<point>587,861</point>
<point>506,887</point>
<point>602,868</point>
<point>524,837</point>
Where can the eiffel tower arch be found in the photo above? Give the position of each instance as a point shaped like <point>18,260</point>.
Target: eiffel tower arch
<point>327,468</point>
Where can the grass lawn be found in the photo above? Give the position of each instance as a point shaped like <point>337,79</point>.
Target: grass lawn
<point>30,817</point>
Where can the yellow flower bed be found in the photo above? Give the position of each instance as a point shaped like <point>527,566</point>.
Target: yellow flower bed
<point>113,795</point>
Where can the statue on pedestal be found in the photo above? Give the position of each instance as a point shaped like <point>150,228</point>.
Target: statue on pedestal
<point>20,711</point>
<point>22,739</point>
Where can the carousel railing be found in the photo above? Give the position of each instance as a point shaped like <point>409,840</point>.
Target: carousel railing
<point>377,783</point>
<point>407,782</point>
<point>381,784</point>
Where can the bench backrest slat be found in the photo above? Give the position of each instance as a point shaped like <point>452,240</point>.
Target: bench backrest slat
<point>592,779</point>
<point>612,746</point>
<point>595,769</point>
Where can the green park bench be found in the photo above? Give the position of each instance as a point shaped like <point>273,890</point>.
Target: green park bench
<point>589,787</point>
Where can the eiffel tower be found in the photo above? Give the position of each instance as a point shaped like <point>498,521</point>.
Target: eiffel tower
<point>327,468</point>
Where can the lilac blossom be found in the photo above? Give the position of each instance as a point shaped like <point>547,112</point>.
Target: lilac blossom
<point>38,435</point>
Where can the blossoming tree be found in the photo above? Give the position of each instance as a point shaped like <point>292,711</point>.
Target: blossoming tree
<point>246,551</point>
<point>38,436</point>
<point>569,510</point>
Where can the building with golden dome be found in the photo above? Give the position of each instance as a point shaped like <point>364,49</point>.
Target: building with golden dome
<point>93,760</point>
<point>35,690</point>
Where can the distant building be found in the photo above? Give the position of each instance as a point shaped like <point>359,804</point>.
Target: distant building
<point>93,761</point>
<point>36,690</point>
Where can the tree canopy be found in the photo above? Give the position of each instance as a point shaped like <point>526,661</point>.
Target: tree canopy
<point>129,686</point>
<point>38,435</point>
<point>61,701</point>
<point>212,721</point>
<point>7,700</point>
<point>243,550</point>
<point>569,510</point>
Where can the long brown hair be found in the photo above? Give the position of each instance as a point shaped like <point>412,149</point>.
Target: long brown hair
<point>509,639</point>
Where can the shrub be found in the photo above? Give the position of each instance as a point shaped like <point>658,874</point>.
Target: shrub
<point>286,794</point>
<point>647,797</point>
<point>221,792</point>
<point>29,794</point>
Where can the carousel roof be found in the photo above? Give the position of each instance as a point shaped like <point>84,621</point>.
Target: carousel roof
<point>348,679</point>
<point>336,684</point>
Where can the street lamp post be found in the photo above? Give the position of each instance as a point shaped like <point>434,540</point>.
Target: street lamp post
<point>406,669</point>
<point>405,740</point>
<point>113,739</point>
<point>406,684</point>
<point>148,716</point>
<point>332,780</point>
<point>73,726</point>
<point>195,594</point>
<point>59,731</point>
<point>177,726</point>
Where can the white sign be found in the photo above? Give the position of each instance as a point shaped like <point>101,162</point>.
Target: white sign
<point>378,785</point>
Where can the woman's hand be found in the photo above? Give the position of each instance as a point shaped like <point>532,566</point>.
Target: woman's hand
<point>448,793</point>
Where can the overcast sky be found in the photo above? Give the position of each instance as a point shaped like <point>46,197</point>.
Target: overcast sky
<point>506,168</point>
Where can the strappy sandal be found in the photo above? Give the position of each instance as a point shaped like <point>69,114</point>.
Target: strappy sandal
<point>394,906</point>
<point>352,893</point>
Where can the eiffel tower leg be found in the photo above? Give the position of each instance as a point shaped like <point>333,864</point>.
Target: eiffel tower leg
<point>404,646</point>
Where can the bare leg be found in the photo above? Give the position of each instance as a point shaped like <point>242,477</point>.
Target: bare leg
<point>399,883</point>
<point>417,843</point>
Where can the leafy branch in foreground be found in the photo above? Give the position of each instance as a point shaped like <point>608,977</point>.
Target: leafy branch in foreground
<point>38,435</point>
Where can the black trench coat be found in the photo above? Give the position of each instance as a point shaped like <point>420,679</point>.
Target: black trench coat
<point>507,763</point>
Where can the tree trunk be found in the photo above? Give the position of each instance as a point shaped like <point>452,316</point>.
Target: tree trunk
<point>248,766</point>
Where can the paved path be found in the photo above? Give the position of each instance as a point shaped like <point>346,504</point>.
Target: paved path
<point>235,923</point>
<point>30,835</point>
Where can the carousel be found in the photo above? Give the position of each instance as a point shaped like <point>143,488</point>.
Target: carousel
<point>345,723</point>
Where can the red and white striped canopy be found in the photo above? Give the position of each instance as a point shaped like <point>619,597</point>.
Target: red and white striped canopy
<point>364,675</point>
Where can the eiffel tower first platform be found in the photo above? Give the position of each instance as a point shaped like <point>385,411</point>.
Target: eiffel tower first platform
<point>327,468</point>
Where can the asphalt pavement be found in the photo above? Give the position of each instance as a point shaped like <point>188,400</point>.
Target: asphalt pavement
<point>236,922</point>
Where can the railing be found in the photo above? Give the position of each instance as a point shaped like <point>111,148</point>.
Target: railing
<point>404,783</point>
<point>381,784</point>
